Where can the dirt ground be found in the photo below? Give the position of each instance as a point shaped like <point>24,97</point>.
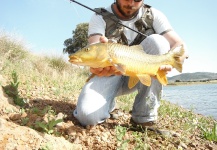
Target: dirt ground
<point>18,130</point>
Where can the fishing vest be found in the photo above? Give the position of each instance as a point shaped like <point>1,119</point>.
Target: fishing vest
<point>116,31</point>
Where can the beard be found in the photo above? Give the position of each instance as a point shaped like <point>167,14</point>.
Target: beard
<point>132,11</point>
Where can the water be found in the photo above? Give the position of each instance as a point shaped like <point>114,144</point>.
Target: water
<point>202,98</point>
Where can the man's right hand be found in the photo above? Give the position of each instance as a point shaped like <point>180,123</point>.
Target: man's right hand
<point>107,71</point>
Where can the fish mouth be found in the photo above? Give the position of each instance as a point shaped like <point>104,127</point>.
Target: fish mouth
<point>74,59</point>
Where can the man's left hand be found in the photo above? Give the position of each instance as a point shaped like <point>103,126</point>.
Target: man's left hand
<point>166,68</point>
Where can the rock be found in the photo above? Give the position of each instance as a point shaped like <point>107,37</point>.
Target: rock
<point>166,133</point>
<point>12,137</point>
<point>183,145</point>
<point>11,140</point>
<point>116,114</point>
<point>193,144</point>
<point>14,116</point>
<point>209,146</point>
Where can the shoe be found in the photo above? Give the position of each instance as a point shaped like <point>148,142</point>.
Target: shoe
<point>144,124</point>
<point>147,124</point>
<point>151,126</point>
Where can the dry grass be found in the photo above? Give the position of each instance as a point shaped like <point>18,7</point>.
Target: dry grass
<point>42,71</point>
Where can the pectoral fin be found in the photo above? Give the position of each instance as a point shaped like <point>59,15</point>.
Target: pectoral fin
<point>145,79</point>
<point>121,68</point>
<point>132,82</point>
<point>162,78</point>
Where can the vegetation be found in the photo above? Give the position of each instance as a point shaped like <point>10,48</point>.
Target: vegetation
<point>120,133</point>
<point>78,40</point>
<point>12,90</point>
<point>48,127</point>
<point>194,77</point>
<point>51,86</point>
<point>210,134</point>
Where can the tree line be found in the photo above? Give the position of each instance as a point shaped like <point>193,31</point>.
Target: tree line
<point>78,40</point>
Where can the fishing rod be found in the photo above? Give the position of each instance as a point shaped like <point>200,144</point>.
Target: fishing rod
<point>109,18</point>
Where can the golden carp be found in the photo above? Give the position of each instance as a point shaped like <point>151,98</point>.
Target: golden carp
<point>130,60</point>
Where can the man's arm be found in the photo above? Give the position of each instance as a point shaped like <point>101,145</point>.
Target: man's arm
<point>174,41</point>
<point>173,38</point>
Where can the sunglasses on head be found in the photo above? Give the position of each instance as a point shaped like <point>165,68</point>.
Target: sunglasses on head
<point>137,0</point>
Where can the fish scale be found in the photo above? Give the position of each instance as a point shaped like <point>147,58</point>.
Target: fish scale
<point>132,61</point>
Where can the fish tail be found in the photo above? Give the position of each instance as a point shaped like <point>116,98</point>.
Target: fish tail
<point>176,54</point>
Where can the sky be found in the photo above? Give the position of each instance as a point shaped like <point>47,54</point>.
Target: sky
<point>44,25</point>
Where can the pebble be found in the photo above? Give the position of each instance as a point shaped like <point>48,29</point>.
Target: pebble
<point>209,146</point>
<point>183,145</point>
<point>14,117</point>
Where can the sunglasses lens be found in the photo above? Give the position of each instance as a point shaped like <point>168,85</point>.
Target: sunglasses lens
<point>137,0</point>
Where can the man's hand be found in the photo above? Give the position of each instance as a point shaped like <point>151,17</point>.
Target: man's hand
<point>107,71</point>
<point>103,39</point>
<point>166,68</point>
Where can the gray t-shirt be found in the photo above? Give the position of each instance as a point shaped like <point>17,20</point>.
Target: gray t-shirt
<point>160,24</point>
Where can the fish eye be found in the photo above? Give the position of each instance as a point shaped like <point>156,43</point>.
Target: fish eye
<point>87,49</point>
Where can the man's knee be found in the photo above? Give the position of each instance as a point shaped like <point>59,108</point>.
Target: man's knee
<point>156,44</point>
<point>90,117</point>
<point>86,119</point>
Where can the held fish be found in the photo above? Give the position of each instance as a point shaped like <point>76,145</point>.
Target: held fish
<point>132,61</point>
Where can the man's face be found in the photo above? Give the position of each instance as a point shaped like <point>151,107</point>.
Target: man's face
<point>128,8</point>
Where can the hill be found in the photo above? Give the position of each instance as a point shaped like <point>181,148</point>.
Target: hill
<point>193,77</point>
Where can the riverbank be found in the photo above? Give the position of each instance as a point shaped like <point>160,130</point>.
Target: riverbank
<point>193,82</point>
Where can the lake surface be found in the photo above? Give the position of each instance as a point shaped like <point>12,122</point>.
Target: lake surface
<point>202,98</point>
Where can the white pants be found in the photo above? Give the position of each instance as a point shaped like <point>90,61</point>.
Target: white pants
<point>96,99</point>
